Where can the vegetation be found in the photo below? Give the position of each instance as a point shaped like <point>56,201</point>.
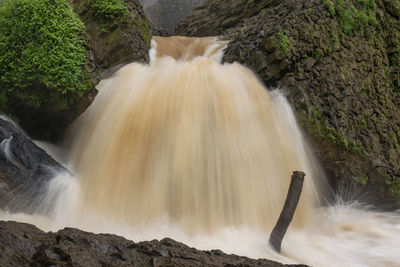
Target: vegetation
<point>330,6</point>
<point>283,43</point>
<point>353,16</point>
<point>107,10</point>
<point>42,54</point>
<point>145,29</point>
<point>321,127</point>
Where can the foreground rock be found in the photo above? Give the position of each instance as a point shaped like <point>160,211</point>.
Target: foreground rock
<point>24,170</point>
<point>340,64</point>
<point>24,244</point>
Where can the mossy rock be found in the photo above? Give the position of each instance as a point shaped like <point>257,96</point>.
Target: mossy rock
<point>117,30</point>
<point>51,58</point>
<point>339,62</point>
<point>43,73</point>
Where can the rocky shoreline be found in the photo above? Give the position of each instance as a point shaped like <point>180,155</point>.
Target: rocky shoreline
<point>25,245</point>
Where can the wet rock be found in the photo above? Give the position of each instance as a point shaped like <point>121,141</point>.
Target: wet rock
<point>24,244</point>
<point>25,169</point>
<point>165,14</point>
<point>342,79</point>
<point>115,38</point>
<point>217,17</point>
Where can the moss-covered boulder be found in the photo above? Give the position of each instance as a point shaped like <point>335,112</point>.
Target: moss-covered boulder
<point>42,64</point>
<point>117,30</point>
<point>339,61</point>
<point>50,60</point>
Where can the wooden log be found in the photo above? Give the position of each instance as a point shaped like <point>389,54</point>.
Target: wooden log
<point>292,199</point>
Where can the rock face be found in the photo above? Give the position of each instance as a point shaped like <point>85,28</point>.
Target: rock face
<point>26,245</point>
<point>165,14</point>
<point>216,17</point>
<point>340,64</point>
<point>117,31</point>
<point>24,169</point>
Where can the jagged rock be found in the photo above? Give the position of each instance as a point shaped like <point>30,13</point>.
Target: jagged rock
<point>341,72</point>
<point>216,17</point>
<point>165,14</point>
<point>24,169</point>
<point>24,244</point>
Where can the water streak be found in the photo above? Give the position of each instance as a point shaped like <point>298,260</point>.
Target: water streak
<point>191,139</point>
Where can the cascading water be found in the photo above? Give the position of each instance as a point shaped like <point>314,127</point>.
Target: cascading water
<point>201,152</point>
<point>199,142</point>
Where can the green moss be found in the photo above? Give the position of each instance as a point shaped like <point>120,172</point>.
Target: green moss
<point>394,185</point>
<point>145,28</point>
<point>108,10</point>
<point>283,43</point>
<point>362,180</point>
<point>108,13</point>
<point>319,126</point>
<point>330,6</point>
<point>364,120</point>
<point>42,53</point>
<point>398,8</point>
<point>318,54</point>
<point>394,58</point>
<point>353,18</point>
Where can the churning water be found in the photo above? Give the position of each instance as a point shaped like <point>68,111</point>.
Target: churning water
<point>201,152</point>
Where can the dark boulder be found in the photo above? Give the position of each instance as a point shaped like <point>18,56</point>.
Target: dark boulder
<point>25,170</point>
<point>24,244</point>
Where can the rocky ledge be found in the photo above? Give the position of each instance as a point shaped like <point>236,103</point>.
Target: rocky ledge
<point>23,244</point>
<point>339,62</point>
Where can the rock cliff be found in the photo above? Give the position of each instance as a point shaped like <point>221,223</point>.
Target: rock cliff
<point>117,31</point>
<point>339,62</point>
<point>164,15</point>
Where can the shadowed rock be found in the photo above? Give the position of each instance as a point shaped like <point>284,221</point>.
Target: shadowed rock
<point>24,244</point>
<point>164,15</point>
<point>25,169</point>
<point>342,80</point>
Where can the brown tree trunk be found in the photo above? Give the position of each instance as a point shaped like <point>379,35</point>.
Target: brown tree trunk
<point>292,199</point>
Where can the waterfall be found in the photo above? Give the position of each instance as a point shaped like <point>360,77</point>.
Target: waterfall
<point>202,152</point>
